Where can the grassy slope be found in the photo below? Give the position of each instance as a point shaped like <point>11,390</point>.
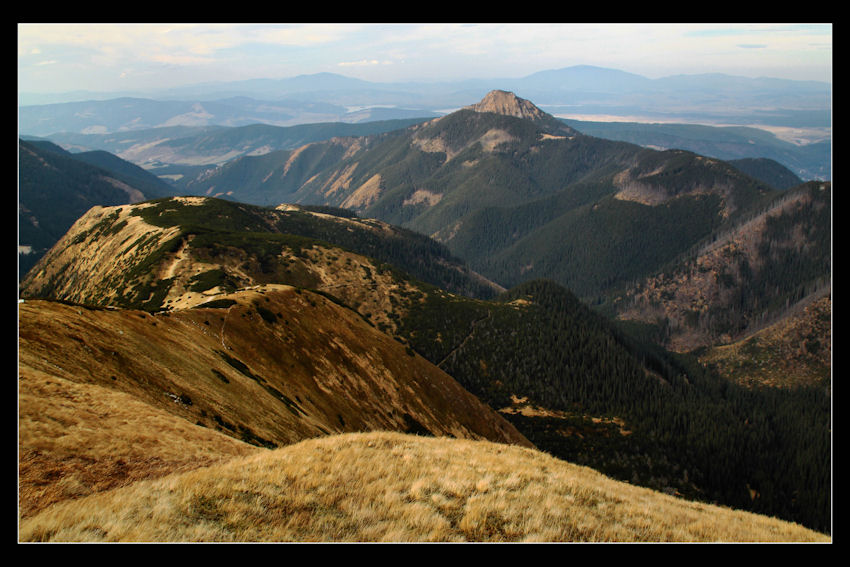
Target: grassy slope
<point>77,439</point>
<point>276,367</point>
<point>108,397</point>
<point>149,247</point>
<point>392,487</point>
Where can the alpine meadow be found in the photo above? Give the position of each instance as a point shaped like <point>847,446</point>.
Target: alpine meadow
<point>332,310</point>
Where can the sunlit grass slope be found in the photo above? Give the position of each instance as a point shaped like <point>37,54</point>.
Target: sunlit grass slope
<point>382,486</point>
<point>77,439</point>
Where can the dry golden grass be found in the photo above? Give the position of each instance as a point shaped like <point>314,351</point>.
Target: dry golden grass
<point>77,439</point>
<point>384,486</point>
<point>110,397</point>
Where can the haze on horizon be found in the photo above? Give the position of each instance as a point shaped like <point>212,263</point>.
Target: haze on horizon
<point>56,58</point>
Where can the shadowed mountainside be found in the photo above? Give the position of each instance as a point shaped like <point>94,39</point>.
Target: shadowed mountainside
<point>743,278</point>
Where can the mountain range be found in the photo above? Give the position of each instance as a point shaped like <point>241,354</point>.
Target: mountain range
<point>792,118</point>
<point>587,89</point>
<point>517,197</point>
<point>493,274</point>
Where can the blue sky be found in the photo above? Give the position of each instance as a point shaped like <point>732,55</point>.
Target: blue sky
<point>117,57</point>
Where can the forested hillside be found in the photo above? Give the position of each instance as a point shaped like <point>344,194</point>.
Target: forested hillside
<point>56,187</point>
<point>630,409</point>
<point>807,161</point>
<point>742,277</point>
<point>517,198</point>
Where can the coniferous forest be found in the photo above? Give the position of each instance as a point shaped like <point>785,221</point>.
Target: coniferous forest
<point>685,430</point>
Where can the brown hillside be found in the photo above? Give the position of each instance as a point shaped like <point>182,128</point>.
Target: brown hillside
<point>76,439</point>
<point>796,351</point>
<point>276,366</point>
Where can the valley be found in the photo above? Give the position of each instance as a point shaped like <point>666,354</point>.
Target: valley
<point>492,283</point>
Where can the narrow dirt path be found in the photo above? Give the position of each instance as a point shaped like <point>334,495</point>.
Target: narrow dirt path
<point>466,338</point>
<point>179,257</point>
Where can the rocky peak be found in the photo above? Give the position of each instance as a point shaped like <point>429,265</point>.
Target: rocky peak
<point>507,103</point>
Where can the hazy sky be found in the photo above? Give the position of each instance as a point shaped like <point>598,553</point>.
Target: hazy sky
<point>115,57</point>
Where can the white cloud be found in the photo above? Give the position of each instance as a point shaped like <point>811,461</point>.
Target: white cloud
<point>363,63</point>
<point>83,52</point>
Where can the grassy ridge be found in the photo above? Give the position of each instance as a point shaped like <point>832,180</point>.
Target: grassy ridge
<point>394,487</point>
<point>77,439</point>
<point>264,232</point>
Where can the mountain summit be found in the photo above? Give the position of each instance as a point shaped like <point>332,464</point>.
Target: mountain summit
<point>504,102</point>
<point>507,103</point>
